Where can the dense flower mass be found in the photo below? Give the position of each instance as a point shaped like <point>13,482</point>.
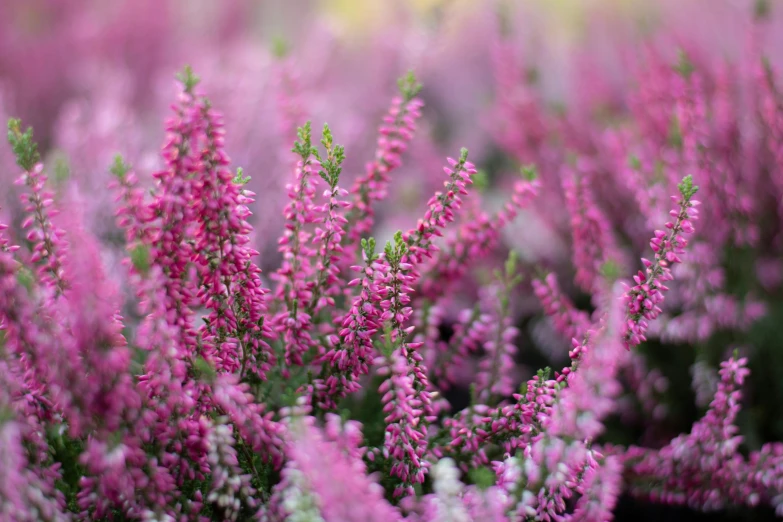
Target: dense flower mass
<point>382,329</point>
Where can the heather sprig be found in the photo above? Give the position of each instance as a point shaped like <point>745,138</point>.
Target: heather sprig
<point>396,131</point>
<point>476,237</point>
<point>351,351</point>
<point>492,379</point>
<point>295,274</point>
<point>45,237</point>
<point>331,227</point>
<point>441,208</point>
<point>566,318</point>
<point>644,299</point>
<point>406,393</point>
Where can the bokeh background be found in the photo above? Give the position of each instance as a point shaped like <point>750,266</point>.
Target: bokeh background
<point>95,78</point>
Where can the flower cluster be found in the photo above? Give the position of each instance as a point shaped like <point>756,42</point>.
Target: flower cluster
<point>151,370</point>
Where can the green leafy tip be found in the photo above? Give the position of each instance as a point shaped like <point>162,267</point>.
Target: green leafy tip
<point>335,155</point>
<point>327,139</point>
<point>240,178</point>
<point>304,145</point>
<point>687,188</point>
<point>635,162</point>
<point>188,79</point>
<point>529,172</point>
<point>409,86</point>
<point>368,247</point>
<point>396,248</point>
<point>463,155</point>
<point>119,168</point>
<point>22,143</point>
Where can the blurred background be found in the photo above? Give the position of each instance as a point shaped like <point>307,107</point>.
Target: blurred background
<point>510,80</point>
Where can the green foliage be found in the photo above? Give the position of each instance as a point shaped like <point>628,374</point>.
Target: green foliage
<point>62,171</point>
<point>66,451</point>
<point>505,21</point>
<point>386,344</point>
<point>335,155</point>
<point>140,257</point>
<point>409,86</point>
<point>482,477</point>
<point>22,143</point>
<point>304,147</point>
<point>529,172</point>
<point>687,188</point>
<point>610,270</point>
<point>675,133</point>
<point>396,249</point>
<point>684,66</point>
<point>279,47</point>
<point>480,180</point>
<point>240,178</point>
<point>204,370</point>
<point>188,79</point>
<point>761,9</point>
<point>368,247</point>
<point>25,278</point>
<point>509,277</point>
<point>119,167</point>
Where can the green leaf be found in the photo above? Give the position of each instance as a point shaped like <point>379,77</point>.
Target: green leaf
<point>482,477</point>
<point>204,369</point>
<point>140,257</point>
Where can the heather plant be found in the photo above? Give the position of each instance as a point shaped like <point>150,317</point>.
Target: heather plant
<point>371,373</point>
